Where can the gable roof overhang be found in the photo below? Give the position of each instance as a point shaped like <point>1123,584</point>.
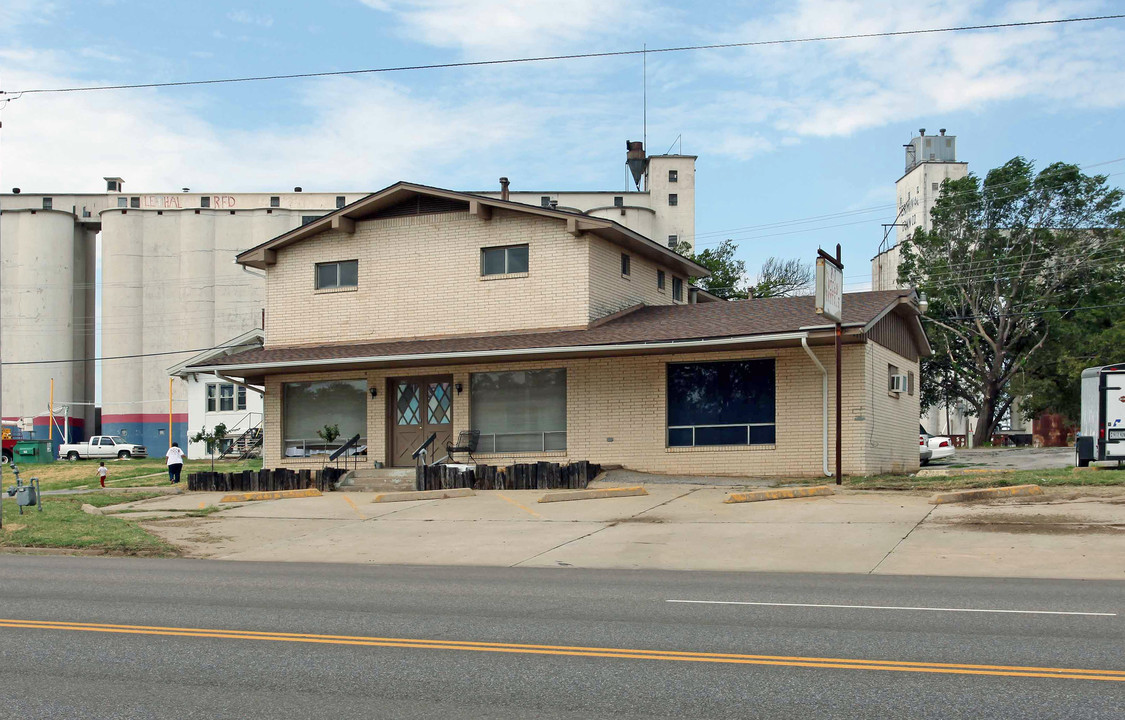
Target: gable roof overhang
<point>250,340</point>
<point>265,254</point>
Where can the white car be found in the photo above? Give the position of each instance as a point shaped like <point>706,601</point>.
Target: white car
<point>938,446</point>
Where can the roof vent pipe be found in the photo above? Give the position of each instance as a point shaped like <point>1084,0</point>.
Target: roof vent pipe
<point>692,295</point>
<point>942,131</point>
<point>554,204</point>
<point>297,189</point>
<point>922,132</point>
<point>503,188</point>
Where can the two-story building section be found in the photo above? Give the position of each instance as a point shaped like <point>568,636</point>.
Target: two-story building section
<point>555,335</point>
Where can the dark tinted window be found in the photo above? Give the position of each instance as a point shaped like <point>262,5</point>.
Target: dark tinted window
<point>721,403</point>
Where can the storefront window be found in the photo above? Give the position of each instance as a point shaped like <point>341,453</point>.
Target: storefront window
<point>521,411</point>
<point>721,403</point>
<point>308,406</point>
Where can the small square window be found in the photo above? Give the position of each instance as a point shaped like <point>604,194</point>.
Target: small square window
<point>134,202</point>
<point>545,201</point>
<point>504,260</point>
<point>948,142</point>
<point>677,289</point>
<point>241,401</point>
<point>305,219</point>
<point>47,203</point>
<point>205,201</point>
<point>935,186</point>
<point>122,202</point>
<point>673,241</point>
<point>659,279</point>
<point>337,274</point>
<point>625,264</point>
<point>618,201</point>
<point>673,199</point>
<point>673,176</point>
<point>340,201</point>
<point>275,201</point>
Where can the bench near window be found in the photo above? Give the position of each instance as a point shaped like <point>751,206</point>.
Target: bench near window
<point>506,260</point>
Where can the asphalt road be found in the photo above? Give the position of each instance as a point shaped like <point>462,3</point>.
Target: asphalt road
<point>453,643</point>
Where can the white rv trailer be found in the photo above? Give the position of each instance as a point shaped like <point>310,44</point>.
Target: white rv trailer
<point>1102,433</point>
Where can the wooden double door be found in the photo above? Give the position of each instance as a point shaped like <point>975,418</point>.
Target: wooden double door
<point>419,406</point>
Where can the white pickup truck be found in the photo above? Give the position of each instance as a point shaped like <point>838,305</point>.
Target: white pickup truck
<point>102,446</point>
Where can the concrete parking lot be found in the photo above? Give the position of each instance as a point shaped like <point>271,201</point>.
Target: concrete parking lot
<point>1065,533</point>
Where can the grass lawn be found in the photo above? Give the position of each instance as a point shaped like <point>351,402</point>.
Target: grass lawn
<point>65,475</point>
<point>62,524</point>
<point>1061,477</point>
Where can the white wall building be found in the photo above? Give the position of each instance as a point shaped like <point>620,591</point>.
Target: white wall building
<point>170,287</point>
<point>214,400</point>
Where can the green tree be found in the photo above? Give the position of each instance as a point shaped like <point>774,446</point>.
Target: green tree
<point>729,279</point>
<point>328,434</point>
<point>783,278</point>
<point>1004,254</point>
<point>212,439</point>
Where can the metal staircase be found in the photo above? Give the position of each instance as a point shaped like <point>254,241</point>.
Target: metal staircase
<point>246,445</point>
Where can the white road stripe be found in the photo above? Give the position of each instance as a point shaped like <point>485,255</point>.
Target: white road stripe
<point>893,607</point>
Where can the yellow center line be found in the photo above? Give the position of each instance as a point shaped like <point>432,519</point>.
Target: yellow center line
<point>521,507</point>
<point>355,507</point>
<point>581,651</point>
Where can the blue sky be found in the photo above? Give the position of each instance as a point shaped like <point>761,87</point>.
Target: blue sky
<point>783,133</point>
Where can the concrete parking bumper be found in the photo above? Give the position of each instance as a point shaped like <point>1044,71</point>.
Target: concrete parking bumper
<point>594,494</point>
<point>779,494</point>
<point>270,495</point>
<point>986,494</point>
<point>409,495</point>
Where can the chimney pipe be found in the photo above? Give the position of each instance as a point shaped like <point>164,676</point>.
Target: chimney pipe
<point>503,188</point>
<point>942,131</point>
<point>922,132</point>
<point>692,295</point>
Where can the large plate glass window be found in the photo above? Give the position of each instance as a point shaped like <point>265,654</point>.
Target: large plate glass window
<point>721,403</point>
<point>503,260</point>
<point>521,411</point>
<point>308,406</point>
<point>337,274</point>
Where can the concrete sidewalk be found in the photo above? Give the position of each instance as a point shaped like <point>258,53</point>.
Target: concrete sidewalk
<point>1065,533</point>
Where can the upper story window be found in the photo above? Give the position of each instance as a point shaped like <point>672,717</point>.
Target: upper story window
<point>545,201</point>
<point>48,203</point>
<point>221,397</point>
<point>122,202</point>
<point>340,201</point>
<point>618,201</point>
<point>626,265</point>
<point>503,260</point>
<point>677,289</point>
<point>205,201</point>
<point>673,176</point>
<point>673,199</point>
<point>134,202</point>
<point>659,279</point>
<point>275,201</point>
<point>673,241</point>
<point>337,274</point>
<point>305,219</point>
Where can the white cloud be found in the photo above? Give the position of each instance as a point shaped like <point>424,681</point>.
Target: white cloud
<point>518,27</point>
<point>96,54</point>
<point>351,133</point>
<point>246,18</point>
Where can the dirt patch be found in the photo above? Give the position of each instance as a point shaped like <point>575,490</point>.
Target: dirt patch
<point>1037,524</point>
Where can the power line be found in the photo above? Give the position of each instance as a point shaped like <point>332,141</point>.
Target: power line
<point>117,357</point>
<point>576,56</point>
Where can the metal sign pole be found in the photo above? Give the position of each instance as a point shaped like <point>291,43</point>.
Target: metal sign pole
<point>829,302</point>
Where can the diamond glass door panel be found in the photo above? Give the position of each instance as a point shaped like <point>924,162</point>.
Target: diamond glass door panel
<point>421,406</point>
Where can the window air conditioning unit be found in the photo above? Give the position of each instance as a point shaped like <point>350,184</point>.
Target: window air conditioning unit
<point>898,383</point>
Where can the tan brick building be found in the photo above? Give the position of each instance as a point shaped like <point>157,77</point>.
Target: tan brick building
<point>558,336</point>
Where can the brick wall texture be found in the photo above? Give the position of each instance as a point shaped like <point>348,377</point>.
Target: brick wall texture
<point>616,409</point>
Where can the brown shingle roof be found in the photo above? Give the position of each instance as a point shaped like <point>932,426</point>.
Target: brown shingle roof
<point>664,323</point>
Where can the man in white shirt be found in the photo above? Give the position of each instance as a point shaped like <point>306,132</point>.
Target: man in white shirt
<point>175,462</point>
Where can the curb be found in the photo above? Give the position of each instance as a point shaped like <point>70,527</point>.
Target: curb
<point>781,494</point>
<point>985,494</point>
<point>270,495</point>
<point>407,495</point>
<point>593,494</point>
<point>951,472</point>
